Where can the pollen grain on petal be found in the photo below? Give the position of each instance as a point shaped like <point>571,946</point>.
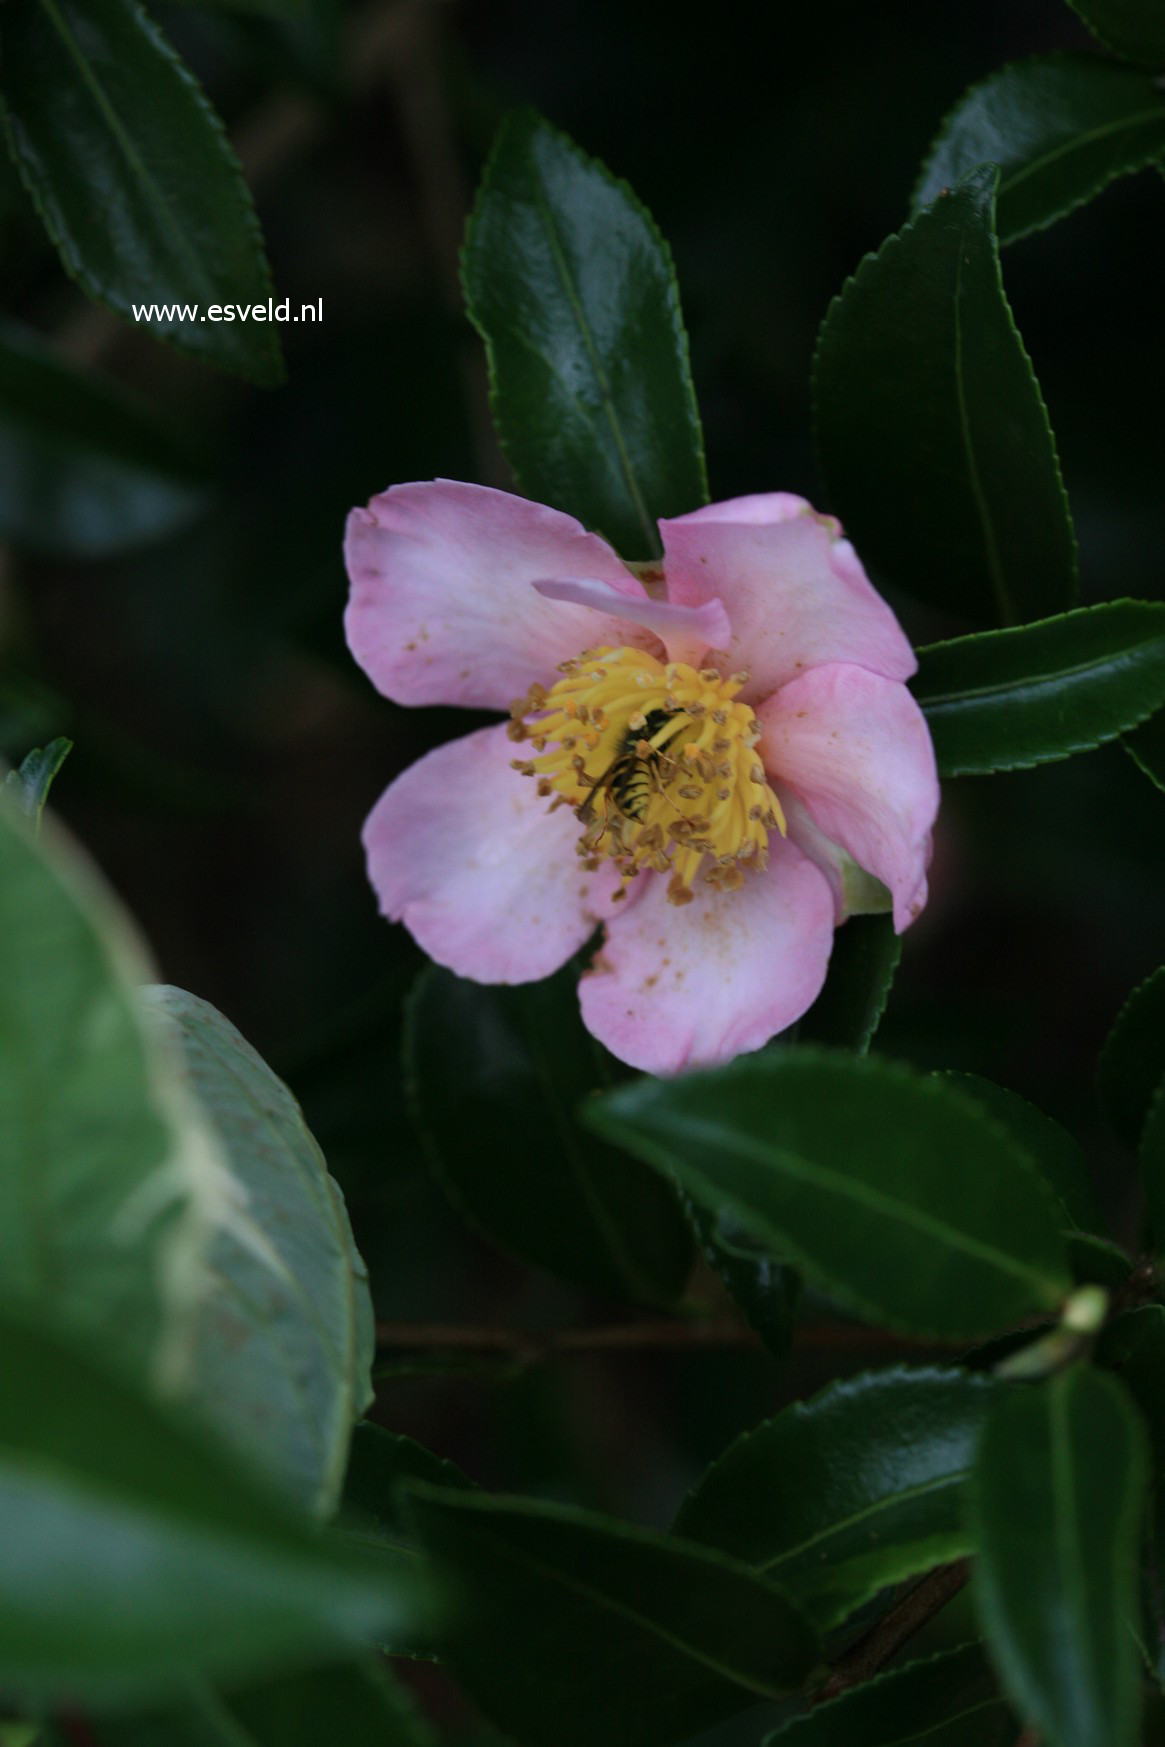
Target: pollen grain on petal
<point>658,761</point>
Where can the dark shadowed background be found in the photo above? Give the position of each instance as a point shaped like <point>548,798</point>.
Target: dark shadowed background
<point>227,749</point>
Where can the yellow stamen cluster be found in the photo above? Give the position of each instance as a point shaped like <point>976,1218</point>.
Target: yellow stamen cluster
<point>658,761</point>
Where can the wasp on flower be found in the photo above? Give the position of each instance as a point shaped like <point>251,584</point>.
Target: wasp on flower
<point>658,761</point>
<point>717,744</point>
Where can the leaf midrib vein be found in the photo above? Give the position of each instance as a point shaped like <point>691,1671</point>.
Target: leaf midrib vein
<point>558,255</point>
<point>1080,142</point>
<point>120,136</point>
<point>861,1193</point>
<point>1035,682</point>
<point>987,526</point>
<point>888,1502</point>
<point>605,1600</point>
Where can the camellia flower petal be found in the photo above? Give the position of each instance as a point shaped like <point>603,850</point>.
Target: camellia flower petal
<point>443,609</point>
<point>676,987</point>
<point>877,801</point>
<point>463,854</point>
<point>792,587</point>
<point>697,752</point>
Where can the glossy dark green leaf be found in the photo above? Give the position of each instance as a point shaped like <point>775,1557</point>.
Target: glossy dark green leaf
<point>85,470</point>
<point>766,1290</point>
<point>1133,1345</point>
<point>829,1160</point>
<point>1132,28</point>
<point>372,1513</point>
<point>932,434</point>
<point>569,1628</point>
<point>572,288</point>
<point>29,786</point>
<point>1132,1062</point>
<point>379,1463</point>
<point>843,1495</point>
<point>1005,700</point>
<point>1050,1147</point>
<point>1146,747</point>
<point>849,1008</point>
<point>101,116</point>
<point>136,1556</point>
<point>1057,1499</point>
<point>496,1075</point>
<point>949,1700</point>
<point>280,1348</point>
<point>1061,127</point>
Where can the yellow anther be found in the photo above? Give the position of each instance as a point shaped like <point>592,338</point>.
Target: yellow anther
<point>620,739</point>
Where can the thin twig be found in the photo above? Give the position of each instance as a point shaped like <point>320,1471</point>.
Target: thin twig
<point>657,1335</point>
<point>871,1653</point>
<point>517,1344</point>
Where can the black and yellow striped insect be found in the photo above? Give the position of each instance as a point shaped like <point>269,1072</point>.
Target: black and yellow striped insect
<point>630,777</point>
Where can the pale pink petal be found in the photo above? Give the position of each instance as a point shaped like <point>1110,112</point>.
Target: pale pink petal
<point>793,588</point>
<point>684,986</point>
<point>855,892</point>
<point>442,608</point>
<point>462,850</point>
<point>758,506</point>
<point>856,749</point>
<point>804,831</point>
<point>685,632</point>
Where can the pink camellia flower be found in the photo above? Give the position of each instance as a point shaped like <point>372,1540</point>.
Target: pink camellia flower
<point>707,755</point>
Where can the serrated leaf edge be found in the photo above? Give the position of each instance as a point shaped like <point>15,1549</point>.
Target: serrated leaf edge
<point>1079,58</point>
<point>658,1155</point>
<point>957,768</point>
<point>269,375</point>
<point>485,1505</point>
<point>526,117</point>
<point>1112,1041</point>
<point>1111,43</point>
<point>1013,1675</point>
<point>886,1677</point>
<point>883,251</point>
<point>837,1386</point>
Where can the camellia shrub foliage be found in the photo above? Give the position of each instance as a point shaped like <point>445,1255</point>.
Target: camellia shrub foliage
<point>666,881</point>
